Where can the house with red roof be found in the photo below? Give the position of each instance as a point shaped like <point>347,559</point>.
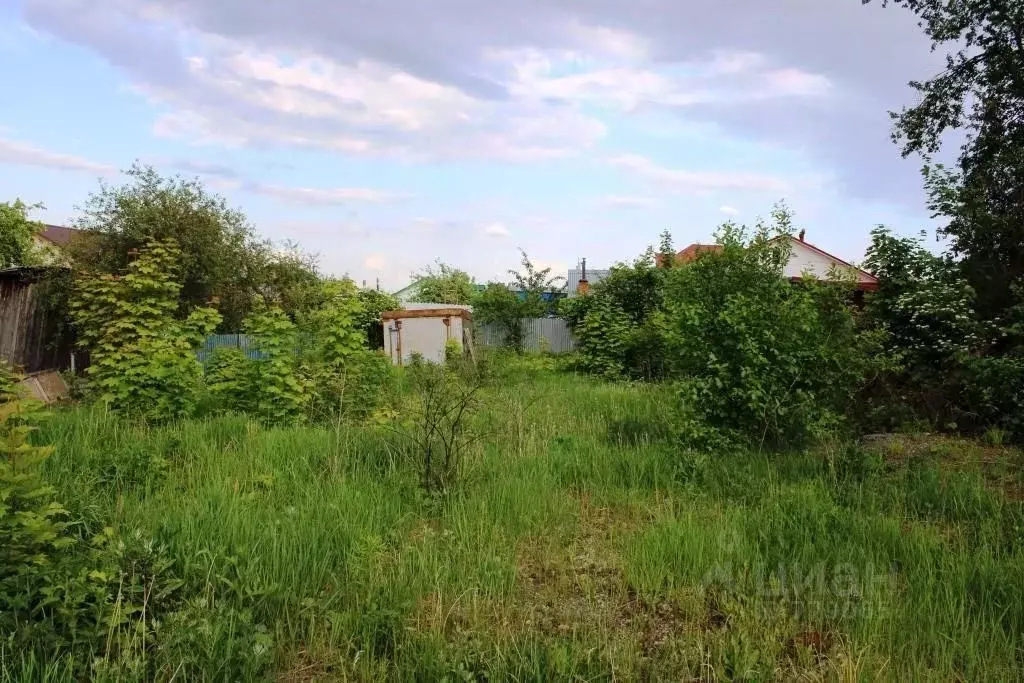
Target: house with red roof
<point>804,259</point>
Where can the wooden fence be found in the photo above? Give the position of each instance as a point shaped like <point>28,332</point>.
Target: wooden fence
<point>30,338</point>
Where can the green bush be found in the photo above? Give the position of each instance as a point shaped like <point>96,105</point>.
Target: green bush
<point>764,360</point>
<point>280,395</point>
<point>231,381</point>
<point>82,600</point>
<point>618,327</point>
<point>142,356</point>
<point>993,390</point>
<point>348,380</point>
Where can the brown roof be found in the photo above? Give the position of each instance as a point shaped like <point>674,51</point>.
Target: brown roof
<point>59,235</point>
<point>690,253</point>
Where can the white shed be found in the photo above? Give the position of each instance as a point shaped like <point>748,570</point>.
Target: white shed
<point>425,331</point>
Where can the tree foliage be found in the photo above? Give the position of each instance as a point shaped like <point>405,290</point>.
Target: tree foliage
<point>619,326</point>
<point>17,232</point>
<point>280,394</point>
<point>535,287</point>
<point>980,94</point>
<point>220,254</point>
<point>142,351</point>
<point>530,294</point>
<point>441,283</point>
<point>762,359</point>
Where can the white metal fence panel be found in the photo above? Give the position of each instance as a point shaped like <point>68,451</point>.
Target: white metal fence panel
<point>539,334</point>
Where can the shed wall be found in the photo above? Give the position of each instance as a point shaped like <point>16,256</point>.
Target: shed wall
<point>425,336</point>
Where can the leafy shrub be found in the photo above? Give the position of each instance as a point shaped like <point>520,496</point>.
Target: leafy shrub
<point>452,350</point>
<point>498,305</point>
<point>764,360</point>
<point>348,380</point>
<point>142,356</point>
<point>994,392</point>
<point>213,640</point>
<point>619,328</point>
<point>231,381</point>
<point>602,338</point>
<point>279,395</point>
<point>531,294</point>
<point>437,426</point>
<point>61,596</point>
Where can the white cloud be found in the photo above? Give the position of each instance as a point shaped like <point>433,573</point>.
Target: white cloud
<point>374,262</point>
<point>729,77</point>
<point>685,181</point>
<point>237,95</point>
<point>24,154</point>
<point>496,230</point>
<point>615,201</point>
<point>729,210</point>
<point>323,196</point>
<point>610,42</point>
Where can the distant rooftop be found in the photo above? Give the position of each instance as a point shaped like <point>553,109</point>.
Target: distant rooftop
<point>59,235</point>
<point>594,276</point>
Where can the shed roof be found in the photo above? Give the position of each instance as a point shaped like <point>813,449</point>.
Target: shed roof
<point>446,312</point>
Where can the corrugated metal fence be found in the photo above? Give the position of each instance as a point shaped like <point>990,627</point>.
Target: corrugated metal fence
<point>237,341</point>
<point>539,334</point>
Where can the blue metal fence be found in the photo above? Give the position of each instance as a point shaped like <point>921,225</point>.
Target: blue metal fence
<point>237,341</point>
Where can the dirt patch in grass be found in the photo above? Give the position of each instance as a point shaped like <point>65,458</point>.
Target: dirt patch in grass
<point>1000,466</point>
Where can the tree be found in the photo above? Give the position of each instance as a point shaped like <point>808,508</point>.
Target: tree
<point>529,295</point>
<point>291,279</point>
<point>499,305</point>
<point>760,359</point>
<point>220,254</point>
<point>444,284</point>
<point>534,284</point>
<point>666,256</point>
<point>142,351</point>
<point>980,93</point>
<point>16,234</point>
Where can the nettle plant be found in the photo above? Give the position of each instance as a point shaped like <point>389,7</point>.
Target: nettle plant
<point>142,354</point>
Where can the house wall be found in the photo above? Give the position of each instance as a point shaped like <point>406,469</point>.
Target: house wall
<point>804,259</point>
<point>593,277</point>
<point>426,336</point>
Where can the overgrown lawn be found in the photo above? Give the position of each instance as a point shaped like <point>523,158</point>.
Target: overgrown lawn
<point>579,543</point>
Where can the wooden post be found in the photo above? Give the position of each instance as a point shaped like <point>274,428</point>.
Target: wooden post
<point>398,326</point>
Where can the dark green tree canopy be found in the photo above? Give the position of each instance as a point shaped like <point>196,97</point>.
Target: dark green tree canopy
<point>221,255</point>
<point>980,94</point>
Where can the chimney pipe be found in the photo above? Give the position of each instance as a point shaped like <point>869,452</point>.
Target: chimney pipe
<point>583,287</point>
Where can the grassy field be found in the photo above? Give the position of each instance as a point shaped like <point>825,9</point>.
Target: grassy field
<point>578,544</point>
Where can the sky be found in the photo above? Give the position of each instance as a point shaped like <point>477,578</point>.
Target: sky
<point>385,134</point>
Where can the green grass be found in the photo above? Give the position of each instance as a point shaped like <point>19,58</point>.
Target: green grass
<point>579,544</point>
